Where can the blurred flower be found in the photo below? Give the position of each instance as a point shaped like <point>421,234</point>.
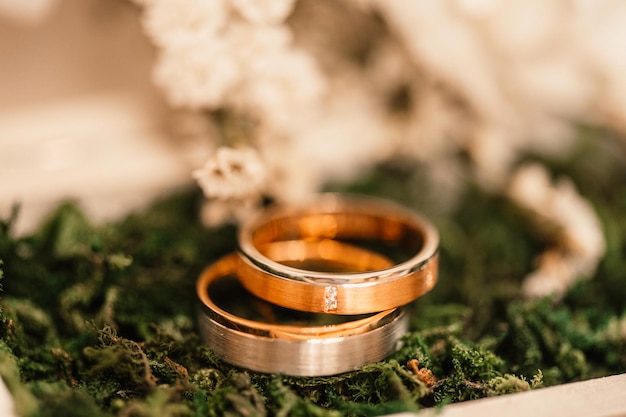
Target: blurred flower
<point>263,11</point>
<point>233,180</point>
<point>569,220</point>
<point>173,23</point>
<point>232,174</point>
<point>210,58</point>
<point>524,69</point>
<point>197,76</point>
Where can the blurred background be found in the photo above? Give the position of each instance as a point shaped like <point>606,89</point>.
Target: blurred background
<point>79,115</point>
<point>116,102</point>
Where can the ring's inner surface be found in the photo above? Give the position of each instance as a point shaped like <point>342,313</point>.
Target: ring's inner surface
<point>394,237</point>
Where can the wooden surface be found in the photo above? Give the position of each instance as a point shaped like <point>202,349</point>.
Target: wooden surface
<point>602,397</point>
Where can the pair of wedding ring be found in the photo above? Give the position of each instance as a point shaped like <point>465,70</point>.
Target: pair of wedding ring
<point>340,268</point>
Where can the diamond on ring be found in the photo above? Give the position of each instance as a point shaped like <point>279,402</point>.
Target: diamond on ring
<point>330,298</point>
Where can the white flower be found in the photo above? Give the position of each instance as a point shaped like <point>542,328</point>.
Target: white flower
<point>567,218</point>
<point>553,275</point>
<point>264,11</point>
<point>232,174</point>
<point>251,43</point>
<point>287,83</point>
<point>523,83</point>
<point>278,80</point>
<point>171,23</point>
<point>200,75</point>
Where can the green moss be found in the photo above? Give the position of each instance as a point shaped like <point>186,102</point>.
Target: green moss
<point>100,320</point>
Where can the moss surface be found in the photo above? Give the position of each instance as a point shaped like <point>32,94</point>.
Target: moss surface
<point>99,321</point>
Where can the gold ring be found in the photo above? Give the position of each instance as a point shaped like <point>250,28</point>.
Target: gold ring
<point>363,222</point>
<point>337,344</point>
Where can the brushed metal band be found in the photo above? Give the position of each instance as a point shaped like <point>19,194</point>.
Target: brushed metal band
<point>308,350</point>
<point>336,218</point>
